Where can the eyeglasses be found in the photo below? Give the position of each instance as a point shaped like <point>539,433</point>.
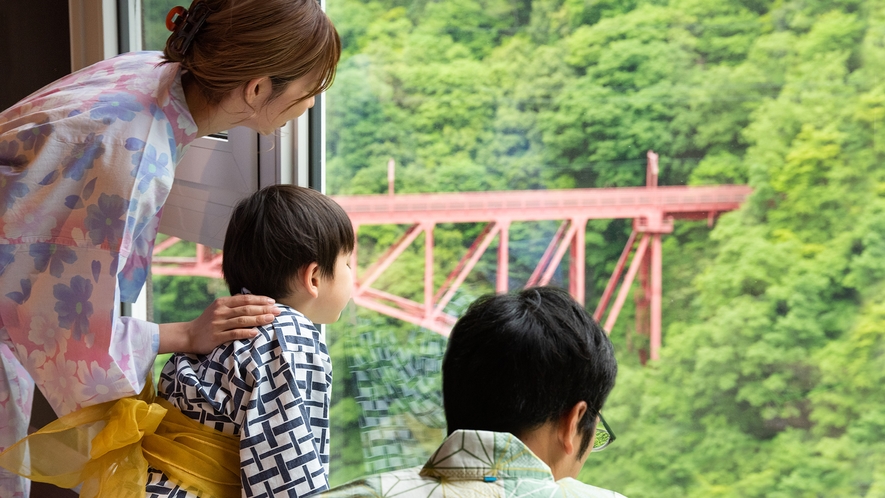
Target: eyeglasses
<point>604,436</point>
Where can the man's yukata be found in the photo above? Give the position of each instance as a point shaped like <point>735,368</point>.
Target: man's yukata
<point>273,391</point>
<point>476,464</point>
<point>86,163</point>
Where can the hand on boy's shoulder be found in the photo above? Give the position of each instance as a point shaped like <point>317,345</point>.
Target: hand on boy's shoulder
<point>226,319</point>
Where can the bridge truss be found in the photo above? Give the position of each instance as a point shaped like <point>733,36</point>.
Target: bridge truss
<point>652,208</point>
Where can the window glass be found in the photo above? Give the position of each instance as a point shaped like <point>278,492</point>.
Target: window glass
<point>769,312</point>
<point>175,298</point>
<point>180,297</point>
<point>154,30</point>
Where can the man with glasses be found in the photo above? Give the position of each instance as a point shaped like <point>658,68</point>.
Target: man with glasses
<point>524,376</point>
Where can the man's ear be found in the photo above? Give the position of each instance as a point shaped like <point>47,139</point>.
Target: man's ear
<point>309,279</point>
<point>567,431</point>
<point>256,91</point>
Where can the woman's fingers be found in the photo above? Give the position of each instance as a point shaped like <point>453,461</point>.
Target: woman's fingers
<point>245,299</point>
<point>239,312</point>
<point>236,334</point>
<point>228,319</point>
<point>254,319</point>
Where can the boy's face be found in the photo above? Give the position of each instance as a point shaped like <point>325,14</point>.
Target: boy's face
<point>336,291</point>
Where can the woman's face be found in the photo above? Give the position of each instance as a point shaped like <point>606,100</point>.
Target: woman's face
<point>275,112</point>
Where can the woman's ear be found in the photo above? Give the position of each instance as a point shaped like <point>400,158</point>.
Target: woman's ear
<point>567,432</point>
<point>256,91</point>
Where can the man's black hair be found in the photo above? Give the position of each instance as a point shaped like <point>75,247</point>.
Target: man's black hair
<point>516,361</point>
<point>276,232</point>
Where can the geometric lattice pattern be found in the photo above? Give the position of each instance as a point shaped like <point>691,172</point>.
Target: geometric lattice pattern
<point>473,464</point>
<point>272,391</point>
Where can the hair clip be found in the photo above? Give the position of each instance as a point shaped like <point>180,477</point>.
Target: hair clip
<point>175,15</point>
<point>190,23</point>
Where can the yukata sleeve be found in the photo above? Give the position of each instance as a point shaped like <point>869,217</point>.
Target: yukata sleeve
<point>136,339</point>
<point>279,455</point>
<point>139,341</point>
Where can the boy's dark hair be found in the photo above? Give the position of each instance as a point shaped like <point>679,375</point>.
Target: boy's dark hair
<point>276,232</point>
<point>516,361</point>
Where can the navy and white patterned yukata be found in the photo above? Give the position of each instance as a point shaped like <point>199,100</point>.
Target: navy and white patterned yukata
<point>272,391</point>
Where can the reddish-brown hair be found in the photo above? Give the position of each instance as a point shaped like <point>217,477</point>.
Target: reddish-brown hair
<point>246,39</point>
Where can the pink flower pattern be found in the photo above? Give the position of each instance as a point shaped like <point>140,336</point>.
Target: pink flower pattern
<point>95,383</point>
<point>47,333</point>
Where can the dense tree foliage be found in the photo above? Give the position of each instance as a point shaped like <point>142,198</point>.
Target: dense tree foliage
<point>154,32</point>
<point>771,379</point>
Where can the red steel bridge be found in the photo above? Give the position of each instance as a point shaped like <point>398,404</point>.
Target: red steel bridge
<point>652,208</point>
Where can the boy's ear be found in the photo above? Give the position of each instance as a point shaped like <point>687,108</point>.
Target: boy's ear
<point>567,432</point>
<point>309,279</point>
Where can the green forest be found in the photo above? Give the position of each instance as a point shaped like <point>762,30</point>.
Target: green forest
<point>771,381</point>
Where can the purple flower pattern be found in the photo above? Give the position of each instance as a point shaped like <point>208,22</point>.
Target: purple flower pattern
<point>24,295</point>
<point>35,136</point>
<point>52,255</point>
<point>105,220</point>
<point>135,271</point>
<point>7,256</point>
<point>9,156</point>
<point>109,108</point>
<point>173,149</point>
<point>11,187</point>
<point>73,306</point>
<point>83,157</point>
<point>96,270</point>
<point>148,164</point>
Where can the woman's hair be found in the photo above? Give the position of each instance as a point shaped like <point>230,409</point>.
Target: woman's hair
<point>276,232</point>
<point>241,40</point>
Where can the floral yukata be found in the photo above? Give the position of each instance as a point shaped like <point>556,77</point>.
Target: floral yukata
<point>86,163</point>
<point>475,464</point>
<point>273,391</point>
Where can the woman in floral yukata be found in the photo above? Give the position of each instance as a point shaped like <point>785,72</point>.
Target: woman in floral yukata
<point>86,164</point>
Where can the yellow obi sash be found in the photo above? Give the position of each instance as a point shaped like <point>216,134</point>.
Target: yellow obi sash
<point>108,448</point>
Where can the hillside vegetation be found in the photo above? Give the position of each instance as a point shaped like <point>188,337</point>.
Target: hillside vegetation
<point>771,379</point>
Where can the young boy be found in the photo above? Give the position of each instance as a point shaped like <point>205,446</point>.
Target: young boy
<point>292,244</point>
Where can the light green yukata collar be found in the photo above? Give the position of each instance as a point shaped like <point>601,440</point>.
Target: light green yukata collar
<point>485,456</point>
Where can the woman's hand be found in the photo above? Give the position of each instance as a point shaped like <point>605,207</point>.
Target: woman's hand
<point>226,319</point>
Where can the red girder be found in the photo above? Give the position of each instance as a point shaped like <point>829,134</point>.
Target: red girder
<point>652,205</point>
<point>547,259</point>
<point>207,262</point>
<point>615,278</point>
<point>652,208</point>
